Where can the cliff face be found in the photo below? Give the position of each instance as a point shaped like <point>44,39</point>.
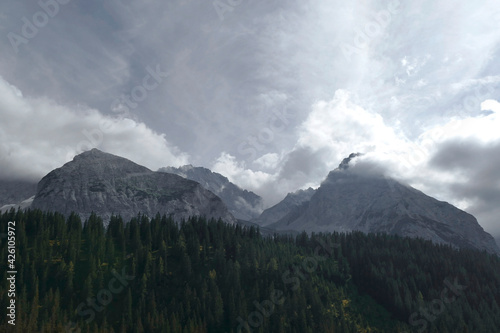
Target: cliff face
<point>107,184</point>
<point>243,204</point>
<point>348,201</point>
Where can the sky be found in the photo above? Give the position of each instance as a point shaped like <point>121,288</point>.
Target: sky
<point>272,94</point>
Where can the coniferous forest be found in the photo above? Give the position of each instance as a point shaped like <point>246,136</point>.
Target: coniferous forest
<point>153,275</point>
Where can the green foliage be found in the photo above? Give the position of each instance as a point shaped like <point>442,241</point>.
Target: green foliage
<point>207,276</point>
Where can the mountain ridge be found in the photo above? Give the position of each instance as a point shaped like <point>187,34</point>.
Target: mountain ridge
<point>351,198</point>
<point>243,204</point>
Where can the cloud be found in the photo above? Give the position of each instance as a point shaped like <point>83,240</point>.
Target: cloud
<point>300,163</point>
<point>415,79</point>
<point>343,126</point>
<point>38,135</point>
<point>268,161</point>
<point>272,185</point>
<point>367,167</point>
<point>228,76</point>
<point>467,155</point>
<point>491,105</point>
<point>477,168</point>
<point>237,172</point>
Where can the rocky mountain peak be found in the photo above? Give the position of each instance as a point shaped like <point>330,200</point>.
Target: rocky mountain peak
<point>185,168</point>
<point>107,184</point>
<point>95,154</point>
<point>344,165</point>
<point>101,162</point>
<point>300,196</point>
<point>369,202</point>
<point>243,204</point>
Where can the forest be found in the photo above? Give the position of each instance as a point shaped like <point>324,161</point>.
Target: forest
<point>199,275</point>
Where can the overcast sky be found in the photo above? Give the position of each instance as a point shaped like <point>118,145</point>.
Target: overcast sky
<point>272,94</point>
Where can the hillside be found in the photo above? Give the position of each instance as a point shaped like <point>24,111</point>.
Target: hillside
<point>208,276</point>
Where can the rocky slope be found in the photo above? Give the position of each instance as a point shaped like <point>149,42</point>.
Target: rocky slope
<point>349,200</point>
<point>107,184</point>
<point>243,204</point>
<point>292,204</point>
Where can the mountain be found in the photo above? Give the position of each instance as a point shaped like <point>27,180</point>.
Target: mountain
<point>243,204</point>
<point>350,200</point>
<point>292,204</point>
<point>15,194</point>
<point>107,184</point>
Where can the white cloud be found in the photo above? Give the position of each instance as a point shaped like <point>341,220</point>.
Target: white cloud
<point>268,161</point>
<point>39,135</point>
<point>238,173</point>
<point>491,105</point>
<point>340,127</point>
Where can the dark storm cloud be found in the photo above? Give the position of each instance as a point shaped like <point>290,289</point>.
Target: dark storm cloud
<point>469,155</point>
<point>477,166</point>
<point>367,168</point>
<point>302,163</point>
<point>220,71</point>
<point>226,69</point>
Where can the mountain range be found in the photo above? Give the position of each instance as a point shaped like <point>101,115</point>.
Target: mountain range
<point>347,200</point>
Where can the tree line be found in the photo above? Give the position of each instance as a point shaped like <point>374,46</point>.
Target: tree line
<point>200,275</point>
